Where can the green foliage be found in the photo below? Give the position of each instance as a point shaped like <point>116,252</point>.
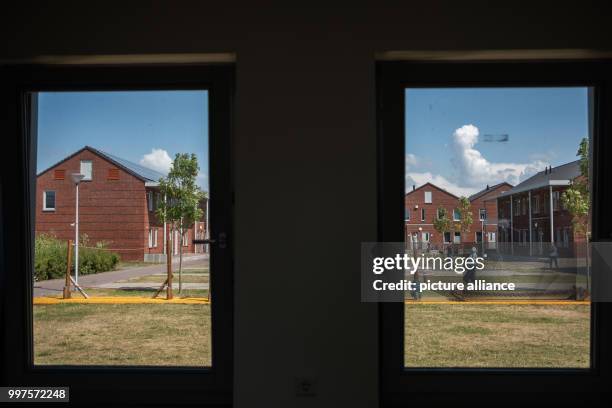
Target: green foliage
<point>442,222</point>
<point>50,256</point>
<point>575,199</point>
<point>180,208</point>
<point>465,215</point>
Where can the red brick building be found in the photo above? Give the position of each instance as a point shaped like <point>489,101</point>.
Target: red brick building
<point>421,209</point>
<point>117,203</point>
<point>484,215</point>
<point>531,216</point>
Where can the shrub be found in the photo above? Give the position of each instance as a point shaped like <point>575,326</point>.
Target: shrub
<point>50,257</point>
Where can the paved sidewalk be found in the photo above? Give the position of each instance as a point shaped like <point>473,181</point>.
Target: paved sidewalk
<point>54,287</point>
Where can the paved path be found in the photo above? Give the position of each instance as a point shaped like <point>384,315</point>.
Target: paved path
<point>53,287</point>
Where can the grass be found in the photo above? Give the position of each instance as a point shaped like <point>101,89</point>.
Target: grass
<point>464,335</point>
<point>90,334</point>
<point>135,264</point>
<point>188,277</point>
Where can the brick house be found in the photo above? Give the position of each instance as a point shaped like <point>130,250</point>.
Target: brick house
<point>421,209</point>
<point>531,216</point>
<point>117,203</point>
<point>484,214</point>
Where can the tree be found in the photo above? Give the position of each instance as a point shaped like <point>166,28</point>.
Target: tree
<point>180,206</point>
<point>465,216</point>
<point>575,199</point>
<point>442,223</point>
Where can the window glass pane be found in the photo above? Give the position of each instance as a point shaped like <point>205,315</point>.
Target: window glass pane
<point>127,222</point>
<point>512,164</point>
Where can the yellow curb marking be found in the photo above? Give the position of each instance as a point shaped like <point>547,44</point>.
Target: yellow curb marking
<point>119,300</point>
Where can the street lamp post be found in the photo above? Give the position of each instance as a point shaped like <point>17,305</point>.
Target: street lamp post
<point>76,178</point>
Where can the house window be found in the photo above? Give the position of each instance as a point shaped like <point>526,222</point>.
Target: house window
<point>456,215</point>
<point>150,238</point>
<point>427,197</point>
<point>555,200</point>
<point>536,204</point>
<point>113,174</point>
<point>407,214</point>
<point>447,237</point>
<point>155,237</point>
<point>422,214</point>
<point>457,238</point>
<point>185,240</point>
<point>439,213</point>
<point>491,236</point>
<point>517,206</point>
<point>59,174</point>
<point>425,236</point>
<point>49,201</point>
<point>150,200</point>
<point>482,214</point>
<point>86,169</point>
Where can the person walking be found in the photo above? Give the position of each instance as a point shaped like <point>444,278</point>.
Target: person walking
<point>553,257</point>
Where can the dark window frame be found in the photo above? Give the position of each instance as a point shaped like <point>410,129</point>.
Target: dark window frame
<point>400,385</point>
<point>159,386</point>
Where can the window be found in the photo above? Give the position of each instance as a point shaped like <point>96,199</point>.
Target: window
<point>422,214</point>
<point>439,213</point>
<point>407,214</point>
<point>410,107</point>
<point>536,204</point>
<point>113,174</point>
<point>447,237</point>
<point>457,237</point>
<point>425,236</point>
<point>427,197</point>
<point>185,239</point>
<point>556,200</point>
<point>150,200</point>
<point>456,214</point>
<point>482,214</point>
<point>49,201</point>
<point>59,174</point>
<point>151,238</point>
<point>86,169</point>
<point>137,356</point>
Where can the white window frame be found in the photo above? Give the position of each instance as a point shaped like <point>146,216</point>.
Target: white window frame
<point>154,237</point>
<point>150,201</point>
<point>455,236</point>
<point>150,238</point>
<point>428,197</point>
<point>185,239</point>
<point>480,214</point>
<point>45,208</point>
<point>90,177</point>
<point>456,214</point>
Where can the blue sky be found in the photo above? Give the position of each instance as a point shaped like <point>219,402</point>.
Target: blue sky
<point>146,127</point>
<point>446,134</point>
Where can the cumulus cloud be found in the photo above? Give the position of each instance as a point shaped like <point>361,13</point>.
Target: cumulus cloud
<point>474,170</point>
<point>158,160</point>
<point>418,179</point>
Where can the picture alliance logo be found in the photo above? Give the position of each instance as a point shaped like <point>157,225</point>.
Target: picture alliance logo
<point>413,264</point>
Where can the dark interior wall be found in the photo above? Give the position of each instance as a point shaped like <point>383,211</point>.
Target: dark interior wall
<point>304,152</point>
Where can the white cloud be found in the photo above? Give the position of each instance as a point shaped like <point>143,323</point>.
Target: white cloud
<point>474,170</point>
<point>158,160</point>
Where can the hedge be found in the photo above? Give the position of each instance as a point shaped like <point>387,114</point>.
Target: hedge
<point>50,258</point>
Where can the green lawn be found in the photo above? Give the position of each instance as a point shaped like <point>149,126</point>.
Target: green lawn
<point>470,335</point>
<point>188,277</point>
<point>144,293</point>
<point>126,334</point>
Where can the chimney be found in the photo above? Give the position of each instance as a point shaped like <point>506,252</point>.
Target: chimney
<point>413,187</point>
<point>487,186</point>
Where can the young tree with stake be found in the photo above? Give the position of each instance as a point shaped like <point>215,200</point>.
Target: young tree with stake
<point>180,207</point>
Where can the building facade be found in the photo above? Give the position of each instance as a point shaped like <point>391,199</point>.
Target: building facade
<point>532,217</point>
<point>117,204</point>
<point>421,210</point>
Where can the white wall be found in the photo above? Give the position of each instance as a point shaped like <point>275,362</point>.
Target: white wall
<point>305,153</point>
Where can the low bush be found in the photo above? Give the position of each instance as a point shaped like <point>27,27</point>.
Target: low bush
<point>50,257</point>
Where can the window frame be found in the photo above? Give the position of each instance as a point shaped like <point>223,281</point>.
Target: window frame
<point>90,178</point>
<point>400,385</point>
<point>44,200</point>
<point>109,385</point>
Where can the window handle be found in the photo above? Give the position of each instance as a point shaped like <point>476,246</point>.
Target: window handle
<point>221,241</point>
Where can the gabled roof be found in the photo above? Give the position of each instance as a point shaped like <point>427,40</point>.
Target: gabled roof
<point>434,186</point>
<point>556,176</point>
<point>143,173</point>
<point>488,189</point>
